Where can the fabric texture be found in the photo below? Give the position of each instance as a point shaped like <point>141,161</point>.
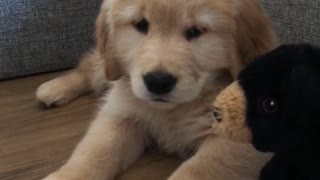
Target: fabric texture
<point>44,35</point>
<point>296,21</point>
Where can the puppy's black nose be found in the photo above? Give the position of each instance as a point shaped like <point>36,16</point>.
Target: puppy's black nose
<point>159,83</point>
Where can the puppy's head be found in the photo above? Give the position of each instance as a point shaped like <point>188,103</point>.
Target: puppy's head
<point>169,50</point>
<point>275,102</point>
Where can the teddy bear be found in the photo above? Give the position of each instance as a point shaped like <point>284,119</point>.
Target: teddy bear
<point>275,105</point>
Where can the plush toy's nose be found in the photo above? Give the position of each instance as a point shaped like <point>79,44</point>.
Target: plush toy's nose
<point>229,111</point>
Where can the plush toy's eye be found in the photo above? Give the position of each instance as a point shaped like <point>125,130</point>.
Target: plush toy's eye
<point>217,114</point>
<point>270,105</point>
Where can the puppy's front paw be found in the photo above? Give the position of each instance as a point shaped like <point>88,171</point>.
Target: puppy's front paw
<point>61,175</point>
<point>55,176</point>
<point>182,177</point>
<point>182,174</point>
<point>56,92</point>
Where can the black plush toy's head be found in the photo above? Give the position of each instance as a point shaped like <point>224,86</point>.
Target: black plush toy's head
<point>275,104</point>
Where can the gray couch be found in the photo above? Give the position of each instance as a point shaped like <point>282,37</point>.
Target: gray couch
<point>297,21</point>
<point>39,36</point>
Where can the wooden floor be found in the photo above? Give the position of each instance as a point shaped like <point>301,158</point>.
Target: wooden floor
<point>35,141</point>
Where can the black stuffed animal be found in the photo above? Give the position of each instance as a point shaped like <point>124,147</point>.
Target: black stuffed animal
<point>275,105</point>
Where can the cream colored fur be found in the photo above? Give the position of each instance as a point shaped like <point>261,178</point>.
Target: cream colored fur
<point>235,31</point>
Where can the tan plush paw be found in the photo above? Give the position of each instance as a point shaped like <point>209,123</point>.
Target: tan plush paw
<point>56,92</point>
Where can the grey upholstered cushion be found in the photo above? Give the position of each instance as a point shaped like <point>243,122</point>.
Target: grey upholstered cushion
<point>297,21</point>
<point>44,35</point>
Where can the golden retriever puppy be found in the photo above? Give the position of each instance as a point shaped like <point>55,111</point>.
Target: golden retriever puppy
<point>166,60</point>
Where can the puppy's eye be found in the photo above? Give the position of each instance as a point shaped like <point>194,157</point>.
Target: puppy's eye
<point>142,26</point>
<point>269,105</point>
<point>193,32</point>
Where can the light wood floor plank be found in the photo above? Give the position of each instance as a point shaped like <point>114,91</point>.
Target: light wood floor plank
<point>35,141</point>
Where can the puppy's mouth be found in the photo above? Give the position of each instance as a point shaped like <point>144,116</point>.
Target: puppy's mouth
<point>161,100</point>
<point>162,103</point>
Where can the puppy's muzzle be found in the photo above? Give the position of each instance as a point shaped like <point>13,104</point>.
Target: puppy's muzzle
<point>159,83</point>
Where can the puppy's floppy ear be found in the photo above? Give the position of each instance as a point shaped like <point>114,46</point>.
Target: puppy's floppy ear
<point>112,67</point>
<point>254,35</point>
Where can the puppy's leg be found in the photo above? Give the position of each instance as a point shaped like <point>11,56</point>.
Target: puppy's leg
<point>220,159</point>
<point>88,75</point>
<point>110,146</point>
